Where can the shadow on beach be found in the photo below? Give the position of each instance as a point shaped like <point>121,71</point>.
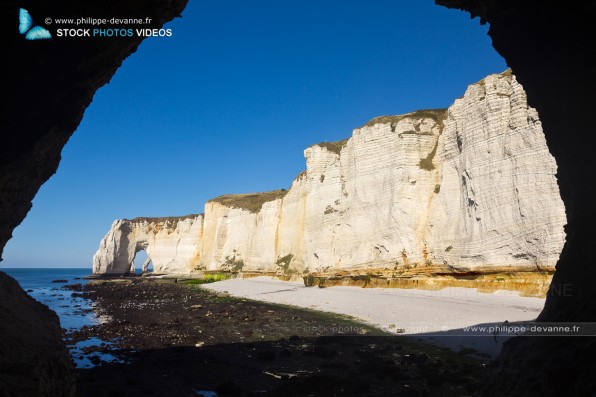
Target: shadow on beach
<point>180,340</point>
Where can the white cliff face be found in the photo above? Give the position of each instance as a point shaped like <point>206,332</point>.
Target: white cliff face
<point>497,171</point>
<point>470,189</point>
<point>172,244</point>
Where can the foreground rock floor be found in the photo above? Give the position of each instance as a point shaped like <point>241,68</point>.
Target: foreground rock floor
<point>177,340</point>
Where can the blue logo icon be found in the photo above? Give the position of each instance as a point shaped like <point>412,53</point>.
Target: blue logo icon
<point>31,32</point>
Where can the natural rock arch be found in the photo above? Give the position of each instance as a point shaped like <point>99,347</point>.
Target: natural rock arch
<point>171,244</point>
<point>145,267</point>
<point>140,247</point>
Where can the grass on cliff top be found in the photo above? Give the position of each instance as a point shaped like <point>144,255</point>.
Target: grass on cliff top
<point>252,202</point>
<point>507,73</point>
<point>438,115</point>
<point>173,219</point>
<point>334,147</point>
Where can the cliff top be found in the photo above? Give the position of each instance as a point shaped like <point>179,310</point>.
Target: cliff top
<point>438,115</point>
<point>163,219</point>
<point>334,147</point>
<point>252,202</point>
<point>507,73</point>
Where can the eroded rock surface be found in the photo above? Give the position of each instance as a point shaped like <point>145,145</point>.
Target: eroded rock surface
<point>467,189</point>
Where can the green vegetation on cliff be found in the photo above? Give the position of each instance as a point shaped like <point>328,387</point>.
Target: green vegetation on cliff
<point>252,202</point>
<point>166,219</point>
<point>438,115</point>
<point>334,147</point>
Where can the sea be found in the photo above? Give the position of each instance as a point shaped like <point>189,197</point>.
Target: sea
<point>48,287</point>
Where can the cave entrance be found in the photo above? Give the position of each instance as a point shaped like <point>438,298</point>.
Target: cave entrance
<point>142,263</point>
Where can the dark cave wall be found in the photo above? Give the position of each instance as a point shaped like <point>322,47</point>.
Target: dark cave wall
<point>550,46</point>
<point>33,359</point>
<point>47,85</point>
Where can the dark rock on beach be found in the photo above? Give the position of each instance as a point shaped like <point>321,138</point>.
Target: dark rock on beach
<point>174,339</point>
<point>29,328</point>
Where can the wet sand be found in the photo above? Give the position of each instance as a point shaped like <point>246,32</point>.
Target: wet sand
<point>177,340</point>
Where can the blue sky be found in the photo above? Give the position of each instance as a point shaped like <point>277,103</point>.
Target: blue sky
<point>231,100</point>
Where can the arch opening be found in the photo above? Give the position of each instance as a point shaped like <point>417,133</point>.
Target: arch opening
<point>141,262</point>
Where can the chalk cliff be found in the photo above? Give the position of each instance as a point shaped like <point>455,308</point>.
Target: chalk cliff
<point>468,189</point>
<point>172,244</point>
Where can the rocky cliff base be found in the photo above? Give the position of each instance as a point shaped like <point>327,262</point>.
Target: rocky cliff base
<point>531,283</point>
<point>526,283</point>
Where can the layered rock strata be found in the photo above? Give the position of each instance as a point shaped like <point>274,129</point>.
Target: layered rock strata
<point>466,190</point>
